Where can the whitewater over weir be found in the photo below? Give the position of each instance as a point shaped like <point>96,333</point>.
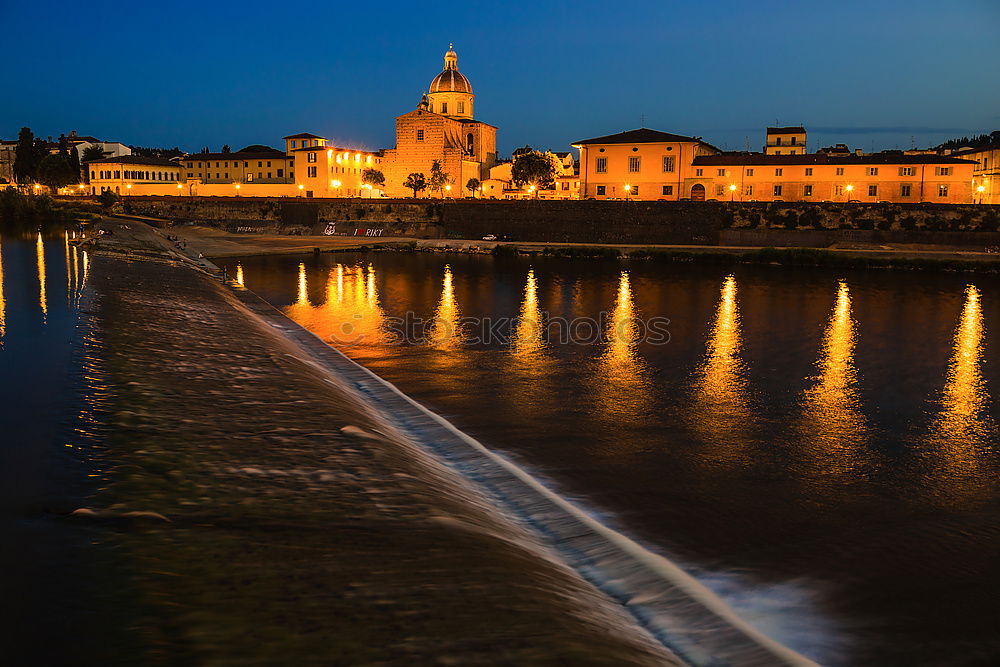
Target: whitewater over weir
<point>676,609</point>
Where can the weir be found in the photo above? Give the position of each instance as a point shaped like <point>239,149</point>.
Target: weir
<point>675,608</point>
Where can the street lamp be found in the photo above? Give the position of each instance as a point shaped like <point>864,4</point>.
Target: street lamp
<point>237,189</point>
<point>128,189</point>
<point>301,188</point>
<point>628,189</point>
<point>732,191</point>
<point>849,188</point>
<point>179,188</point>
<point>981,189</point>
<point>448,188</point>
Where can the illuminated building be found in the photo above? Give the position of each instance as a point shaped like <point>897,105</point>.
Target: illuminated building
<point>442,128</point>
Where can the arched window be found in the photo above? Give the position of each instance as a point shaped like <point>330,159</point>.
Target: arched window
<point>471,142</point>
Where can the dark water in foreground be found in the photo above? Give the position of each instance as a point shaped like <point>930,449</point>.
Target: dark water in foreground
<point>820,448</point>
<point>48,583</point>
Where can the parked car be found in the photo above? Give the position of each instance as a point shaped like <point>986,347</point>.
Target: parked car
<point>490,237</point>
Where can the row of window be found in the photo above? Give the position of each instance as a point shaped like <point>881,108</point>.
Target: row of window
<point>635,164</point>
<point>248,176</point>
<point>777,191</point>
<point>305,144</point>
<point>236,164</point>
<point>133,175</point>
<point>869,171</point>
<point>444,107</point>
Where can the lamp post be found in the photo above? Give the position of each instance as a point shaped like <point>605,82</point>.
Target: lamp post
<point>732,192</point>
<point>237,189</point>
<point>301,188</point>
<point>180,189</point>
<point>849,189</point>
<point>336,184</point>
<point>448,189</point>
<point>532,191</point>
<point>981,189</point>
<point>128,189</point>
<point>628,190</point>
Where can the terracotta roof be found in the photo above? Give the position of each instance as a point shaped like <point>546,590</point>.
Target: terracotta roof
<point>795,129</point>
<point>760,159</point>
<point>303,135</point>
<point>641,136</point>
<point>137,159</point>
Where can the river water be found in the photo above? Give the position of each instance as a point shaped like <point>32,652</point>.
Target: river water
<point>57,603</point>
<point>818,447</point>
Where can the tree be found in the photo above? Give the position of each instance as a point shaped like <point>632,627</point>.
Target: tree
<point>55,171</point>
<point>439,178</point>
<point>28,153</point>
<point>107,199</point>
<point>205,149</point>
<point>472,186</point>
<point>416,182</point>
<point>92,152</point>
<point>225,149</point>
<point>538,169</point>
<point>373,177</point>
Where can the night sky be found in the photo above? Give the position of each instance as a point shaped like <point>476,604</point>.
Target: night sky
<point>871,74</point>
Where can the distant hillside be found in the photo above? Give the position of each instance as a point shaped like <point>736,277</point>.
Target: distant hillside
<point>978,141</point>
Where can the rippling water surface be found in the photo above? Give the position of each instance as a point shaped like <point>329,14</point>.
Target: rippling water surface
<point>820,448</point>
<point>49,444</point>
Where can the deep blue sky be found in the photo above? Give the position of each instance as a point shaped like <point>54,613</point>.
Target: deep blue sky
<point>547,73</point>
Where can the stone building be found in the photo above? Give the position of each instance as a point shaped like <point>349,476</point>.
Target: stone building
<point>985,173</point>
<point>136,175</point>
<point>785,140</point>
<point>442,128</point>
<point>638,164</point>
<point>890,176</point>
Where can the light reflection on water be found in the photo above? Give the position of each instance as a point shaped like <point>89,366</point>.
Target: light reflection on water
<point>805,441</point>
<point>831,425</point>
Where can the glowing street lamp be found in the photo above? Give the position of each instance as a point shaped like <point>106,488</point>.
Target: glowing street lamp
<point>237,189</point>
<point>128,189</point>
<point>448,189</point>
<point>981,189</point>
<point>732,191</point>
<point>850,189</point>
<point>628,189</point>
<point>301,188</point>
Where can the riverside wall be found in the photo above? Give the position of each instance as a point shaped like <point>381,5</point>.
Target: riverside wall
<point>698,223</point>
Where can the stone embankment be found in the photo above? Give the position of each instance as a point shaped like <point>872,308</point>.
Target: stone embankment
<point>788,224</point>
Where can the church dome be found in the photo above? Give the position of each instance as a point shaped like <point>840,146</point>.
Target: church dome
<point>450,80</point>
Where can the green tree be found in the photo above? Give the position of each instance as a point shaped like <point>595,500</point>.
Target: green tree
<point>55,171</point>
<point>226,149</point>
<point>439,178</point>
<point>373,177</point>
<point>28,153</point>
<point>472,186</point>
<point>416,182</point>
<point>107,199</point>
<point>535,168</point>
<point>92,152</point>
